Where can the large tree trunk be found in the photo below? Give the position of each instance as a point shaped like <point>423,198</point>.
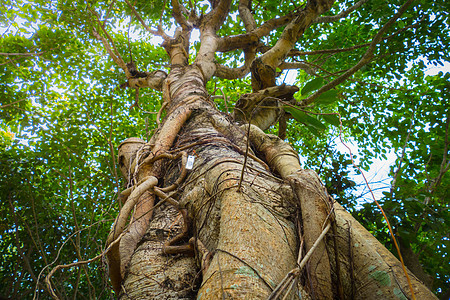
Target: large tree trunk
<point>251,211</point>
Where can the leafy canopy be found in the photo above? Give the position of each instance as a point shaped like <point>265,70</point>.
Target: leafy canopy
<point>63,114</point>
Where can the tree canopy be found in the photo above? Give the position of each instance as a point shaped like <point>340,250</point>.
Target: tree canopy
<point>68,98</point>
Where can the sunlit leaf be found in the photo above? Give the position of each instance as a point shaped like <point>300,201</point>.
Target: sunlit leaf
<point>331,119</point>
<point>312,85</point>
<point>327,97</point>
<point>305,118</point>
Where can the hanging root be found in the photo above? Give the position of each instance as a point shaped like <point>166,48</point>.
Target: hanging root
<point>120,254</point>
<point>142,197</point>
<point>116,261</point>
<point>286,284</point>
<point>279,155</point>
<point>311,196</point>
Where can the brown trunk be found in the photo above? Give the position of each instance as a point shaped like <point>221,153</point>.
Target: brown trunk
<point>411,260</point>
<point>245,218</point>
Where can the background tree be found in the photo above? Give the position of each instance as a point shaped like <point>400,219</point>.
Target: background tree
<point>65,108</point>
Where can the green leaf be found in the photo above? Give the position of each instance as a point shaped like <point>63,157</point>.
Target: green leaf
<point>331,119</point>
<point>313,130</point>
<point>312,85</point>
<point>297,114</point>
<point>314,122</point>
<point>328,97</point>
<point>304,118</point>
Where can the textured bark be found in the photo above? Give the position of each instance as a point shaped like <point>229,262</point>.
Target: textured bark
<point>246,218</point>
<point>154,275</point>
<point>411,260</point>
<point>248,230</point>
<point>361,267</point>
<point>377,272</point>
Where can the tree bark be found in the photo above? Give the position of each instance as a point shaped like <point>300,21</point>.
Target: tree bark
<point>249,206</point>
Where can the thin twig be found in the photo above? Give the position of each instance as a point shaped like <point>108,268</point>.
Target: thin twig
<point>60,249</point>
<point>394,180</point>
<point>341,15</point>
<point>77,263</point>
<point>155,32</point>
<point>12,103</point>
<point>21,54</point>
<point>108,11</point>
<point>366,58</point>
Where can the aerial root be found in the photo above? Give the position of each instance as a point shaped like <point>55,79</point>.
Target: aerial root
<point>286,283</point>
<point>147,184</point>
<point>119,256</point>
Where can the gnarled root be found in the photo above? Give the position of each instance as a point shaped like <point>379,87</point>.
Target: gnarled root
<point>313,200</point>
<point>120,253</point>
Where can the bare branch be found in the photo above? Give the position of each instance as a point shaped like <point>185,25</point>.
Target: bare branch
<point>242,41</point>
<point>292,32</point>
<point>115,57</point>
<point>12,103</point>
<point>235,73</point>
<point>263,69</point>
<point>341,15</point>
<point>225,72</point>
<point>366,58</point>
<point>21,54</point>
<point>297,65</point>
<point>178,11</point>
<point>108,11</point>
<point>205,59</point>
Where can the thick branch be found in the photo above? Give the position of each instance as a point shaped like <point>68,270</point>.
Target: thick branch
<point>153,80</point>
<point>275,56</point>
<point>235,73</point>
<point>367,57</point>
<point>205,58</point>
<point>217,16</point>
<point>246,15</point>
<point>178,47</point>
<point>178,14</point>
<point>242,41</point>
<point>297,65</point>
<point>263,68</point>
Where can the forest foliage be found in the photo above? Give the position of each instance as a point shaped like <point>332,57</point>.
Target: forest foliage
<point>63,114</point>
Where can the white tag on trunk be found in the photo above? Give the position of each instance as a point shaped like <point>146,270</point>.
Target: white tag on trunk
<point>190,162</point>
